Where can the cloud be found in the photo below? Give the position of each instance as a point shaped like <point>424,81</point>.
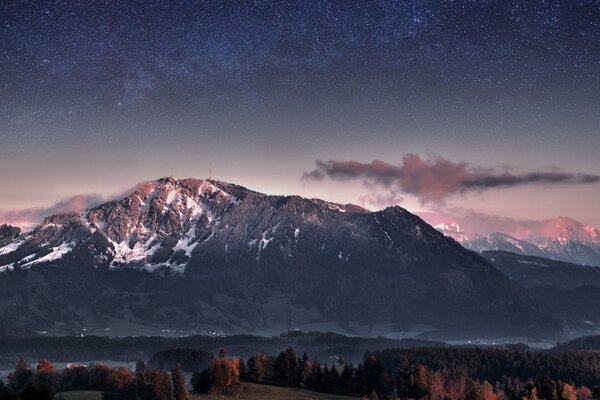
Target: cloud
<point>472,221</point>
<point>435,178</point>
<point>37,214</point>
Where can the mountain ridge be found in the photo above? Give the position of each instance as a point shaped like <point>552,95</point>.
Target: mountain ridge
<point>561,239</point>
<point>243,261</point>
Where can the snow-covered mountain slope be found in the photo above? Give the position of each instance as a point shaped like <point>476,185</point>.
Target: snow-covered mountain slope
<point>159,225</point>
<point>561,238</point>
<point>237,259</point>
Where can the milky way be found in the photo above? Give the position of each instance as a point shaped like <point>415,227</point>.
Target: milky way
<point>273,82</point>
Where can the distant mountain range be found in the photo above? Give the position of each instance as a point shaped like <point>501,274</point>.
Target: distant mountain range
<point>560,238</point>
<point>210,255</point>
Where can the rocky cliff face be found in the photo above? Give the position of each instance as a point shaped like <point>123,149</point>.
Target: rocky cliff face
<point>240,261</point>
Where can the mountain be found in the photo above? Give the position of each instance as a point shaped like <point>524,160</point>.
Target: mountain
<point>204,254</point>
<point>561,238</point>
<point>532,272</point>
<point>569,290</point>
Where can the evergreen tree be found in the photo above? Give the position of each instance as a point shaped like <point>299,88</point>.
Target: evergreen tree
<point>304,370</point>
<point>345,381</point>
<point>180,392</point>
<point>4,393</point>
<point>201,381</point>
<point>285,369</point>
<point>315,378</point>
<point>44,392</point>
<point>140,387</point>
<point>140,367</point>
<point>22,376</point>
<point>243,371</point>
<point>333,381</point>
<point>29,392</point>
<point>403,378</point>
<point>375,376</point>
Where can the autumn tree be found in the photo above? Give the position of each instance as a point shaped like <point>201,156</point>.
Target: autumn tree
<point>45,374</point>
<point>419,386</point>
<point>259,368</point>
<point>158,385</point>
<point>568,392</point>
<point>180,392</point>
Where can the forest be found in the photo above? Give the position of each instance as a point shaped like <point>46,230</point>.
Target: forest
<point>434,373</point>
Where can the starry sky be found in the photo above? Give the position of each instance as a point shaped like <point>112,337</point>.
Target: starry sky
<point>96,96</point>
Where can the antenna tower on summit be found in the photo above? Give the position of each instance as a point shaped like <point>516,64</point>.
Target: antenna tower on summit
<point>209,173</point>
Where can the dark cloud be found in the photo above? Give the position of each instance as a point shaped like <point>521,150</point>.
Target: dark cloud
<point>434,178</point>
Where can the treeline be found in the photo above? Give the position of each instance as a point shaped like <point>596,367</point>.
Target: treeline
<point>373,379</point>
<point>68,348</point>
<point>497,364</point>
<point>115,383</point>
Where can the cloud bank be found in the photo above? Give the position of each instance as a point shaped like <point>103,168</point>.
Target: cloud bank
<point>37,214</point>
<point>435,178</point>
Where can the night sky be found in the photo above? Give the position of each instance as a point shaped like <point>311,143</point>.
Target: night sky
<point>96,96</point>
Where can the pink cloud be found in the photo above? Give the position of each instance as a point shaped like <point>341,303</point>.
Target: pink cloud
<point>435,178</point>
<point>37,214</point>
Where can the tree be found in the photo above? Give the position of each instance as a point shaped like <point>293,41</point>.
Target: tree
<point>285,369</point>
<point>568,392</point>
<point>22,376</point>
<point>315,379</point>
<point>100,375</point>
<point>201,381</point>
<point>546,388</point>
<point>259,368</point>
<point>74,378</point>
<point>140,367</point>
<point>140,386</point>
<point>584,393</point>
<point>120,380</point>
<point>345,381</point>
<point>45,374</point>
<point>243,371</point>
<point>436,385</point>
<point>179,390</point>
<point>472,390</point>
<point>44,392</point>
<point>304,367</point>
<point>29,392</point>
<point>4,393</point>
<point>332,381</point>
<point>376,376</point>
<point>158,385</point>
<point>403,378</point>
<point>418,381</point>
<point>223,374</point>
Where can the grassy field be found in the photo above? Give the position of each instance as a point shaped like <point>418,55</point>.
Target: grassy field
<point>80,395</point>
<point>250,391</point>
<point>246,391</point>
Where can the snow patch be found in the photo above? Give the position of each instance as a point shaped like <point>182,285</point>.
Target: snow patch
<point>9,248</point>
<point>57,253</point>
